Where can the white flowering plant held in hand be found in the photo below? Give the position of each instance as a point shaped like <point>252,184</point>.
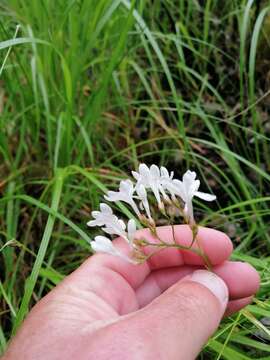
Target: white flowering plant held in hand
<point>168,192</point>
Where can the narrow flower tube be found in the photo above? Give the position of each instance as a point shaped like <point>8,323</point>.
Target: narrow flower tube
<point>131,230</point>
<point>155,184</point>
<point>142,194</point>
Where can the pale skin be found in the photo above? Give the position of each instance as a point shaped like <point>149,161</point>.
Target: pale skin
<point>110,309</point>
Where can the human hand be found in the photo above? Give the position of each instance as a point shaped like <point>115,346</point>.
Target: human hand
<point>162,309</point>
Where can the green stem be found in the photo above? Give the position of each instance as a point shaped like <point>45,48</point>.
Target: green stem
<point>194,229</point>
<point>199,251</point>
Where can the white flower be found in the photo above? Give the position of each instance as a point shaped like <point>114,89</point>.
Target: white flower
<point>150,179</point>
<point>115,227</point>
<point>118,227</point>
<point>142,194</point>
<point>101,217</point>
<point>125,193</point>
<point>105,245</point>
<point>112,224</point>
<point>187,189</point>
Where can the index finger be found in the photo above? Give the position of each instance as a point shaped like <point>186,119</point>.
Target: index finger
<point>215,244</point>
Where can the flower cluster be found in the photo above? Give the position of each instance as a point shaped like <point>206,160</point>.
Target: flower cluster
<point>166,190</point>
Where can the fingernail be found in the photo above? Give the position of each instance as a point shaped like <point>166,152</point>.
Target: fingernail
<point>214,283</point>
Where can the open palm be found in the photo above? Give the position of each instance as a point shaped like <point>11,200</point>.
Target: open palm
<point>110,309</point>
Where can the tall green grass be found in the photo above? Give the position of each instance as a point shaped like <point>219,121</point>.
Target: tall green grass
<point>91,88</point>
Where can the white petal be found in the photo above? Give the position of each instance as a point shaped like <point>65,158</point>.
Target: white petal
<point>112,196</point>
<point>204,196</point>
<point>92,223</point>
<point>126,186</point>
<point>115,227</point>
<point>103,241</point>
<point>103,244</point>
<point>105,208</point>
<point>98,222</point>
<point>122,224</point>
<point>164,172</point>
<point>95,213</point>
<point>188,180</point>
<point>144,172</point>
<point>135,175</point>
<point>154,171</point>
<point>192,188</point>
<point>178,183</point>
<point>108,230</point>
<point>189,176</point>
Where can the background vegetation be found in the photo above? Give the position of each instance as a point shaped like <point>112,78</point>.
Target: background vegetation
<point>91,88</point>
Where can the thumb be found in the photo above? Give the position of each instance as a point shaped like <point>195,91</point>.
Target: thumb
<point>178,323</point>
